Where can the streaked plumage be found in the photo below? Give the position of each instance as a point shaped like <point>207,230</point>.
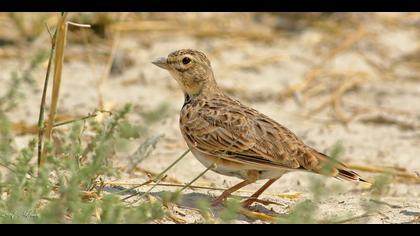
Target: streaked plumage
<point>242,141</point>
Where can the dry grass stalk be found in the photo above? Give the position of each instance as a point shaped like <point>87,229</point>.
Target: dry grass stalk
<point>144,26</point>
<point>208,28</point>
<point>155,174</point>
<point>58,48</point>
<point>198,176</point>
<point>157,179</point>
<point>89,195</point>
<point>383,71</point>
<point>6,53</point>
<point>255,62</point>
<point>21,128</point>
<point>258,215</point>
<point>407,120</point>
<point>288,195</point>
<point>335,99</point>
<point>397,172</point>
<point>365,215</point>
<point>310,86</point>
<point>314,72</point>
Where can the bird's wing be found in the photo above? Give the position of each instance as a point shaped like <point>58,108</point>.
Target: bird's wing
<point>225,128</point>
<point>229,130</point>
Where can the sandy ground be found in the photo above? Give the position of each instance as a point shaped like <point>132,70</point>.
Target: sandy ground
<point>147,86</point>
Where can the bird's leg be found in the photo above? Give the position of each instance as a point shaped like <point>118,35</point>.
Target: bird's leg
<point>254,197</point>
<point>252,177</point>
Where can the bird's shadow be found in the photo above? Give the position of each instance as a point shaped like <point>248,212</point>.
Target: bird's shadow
<point>190,200</point>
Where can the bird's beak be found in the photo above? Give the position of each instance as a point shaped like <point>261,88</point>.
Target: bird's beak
<point>162,63</point>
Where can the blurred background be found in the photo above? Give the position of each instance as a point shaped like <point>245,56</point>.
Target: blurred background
<point>348,79</point>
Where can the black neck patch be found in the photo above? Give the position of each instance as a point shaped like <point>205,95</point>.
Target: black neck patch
<point>187,100</point>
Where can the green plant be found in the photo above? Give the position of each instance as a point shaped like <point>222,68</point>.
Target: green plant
<point>231,211</point>
<point>65,189</point>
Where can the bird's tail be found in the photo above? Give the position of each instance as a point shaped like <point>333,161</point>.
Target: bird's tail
<point>346,174</point>
<point>334,168</point>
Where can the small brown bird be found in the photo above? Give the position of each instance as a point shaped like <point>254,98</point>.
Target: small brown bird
<point>234,139</point>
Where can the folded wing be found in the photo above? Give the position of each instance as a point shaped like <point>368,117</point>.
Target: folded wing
<point>227,129</point>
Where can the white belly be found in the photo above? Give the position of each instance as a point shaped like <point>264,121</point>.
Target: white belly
<point>239,172</point>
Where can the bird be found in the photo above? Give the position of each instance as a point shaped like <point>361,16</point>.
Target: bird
<point>233,139</point>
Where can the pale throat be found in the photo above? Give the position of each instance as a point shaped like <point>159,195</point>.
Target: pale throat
<point>195,88</point>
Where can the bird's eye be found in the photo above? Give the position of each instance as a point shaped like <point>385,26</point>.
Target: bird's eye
<point>186,60</point>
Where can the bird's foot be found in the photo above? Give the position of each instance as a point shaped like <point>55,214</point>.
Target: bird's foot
<point>218,201</point>
<point>248,202</point>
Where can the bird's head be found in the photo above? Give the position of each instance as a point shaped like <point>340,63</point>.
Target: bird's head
<point>190,68</point>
